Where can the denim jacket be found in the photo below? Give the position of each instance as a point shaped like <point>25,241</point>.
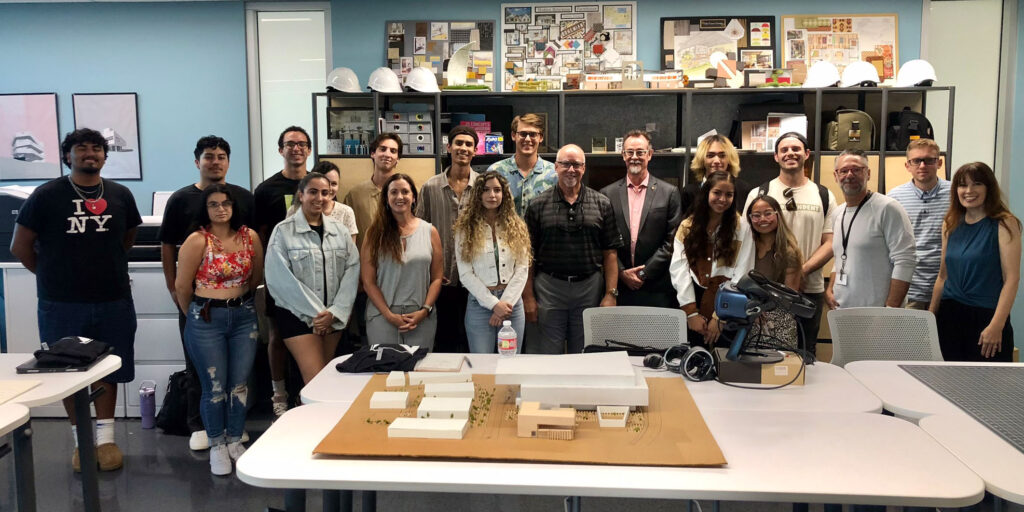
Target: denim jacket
<point>297,262</point>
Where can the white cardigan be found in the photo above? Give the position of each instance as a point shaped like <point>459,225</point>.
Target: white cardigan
<point>479,274</point>
<point>682,274</point>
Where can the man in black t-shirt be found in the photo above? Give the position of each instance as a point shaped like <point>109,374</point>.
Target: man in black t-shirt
<point>273,198</point>
<point>74,233</point>
<point>213,157</point>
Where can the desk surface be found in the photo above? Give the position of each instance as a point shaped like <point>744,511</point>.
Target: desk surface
<point>997,462</point>
<point>827,388</point>
<point>54,386</point>
<point>773,456</point>
<point>901,392</point>
<point>12,416</point>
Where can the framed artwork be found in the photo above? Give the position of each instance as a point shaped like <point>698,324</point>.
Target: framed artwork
<point>842,39</point>
<point>116,116</point>
<point>431,44</point>
<point>29,137</point>
<point>687,43</point>
<point>555,43</point>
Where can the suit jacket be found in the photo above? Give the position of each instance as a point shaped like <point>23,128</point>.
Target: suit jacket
<point>659,220</point>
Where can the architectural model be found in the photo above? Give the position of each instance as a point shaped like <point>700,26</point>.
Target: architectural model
<point>546,423</point>
<point>428,428</point>
<point>450,389</point>
<point>389,400</point>
<point>444,408</point>
<point>395,380</point>
<point>417,378</point>
<point>583,381</point>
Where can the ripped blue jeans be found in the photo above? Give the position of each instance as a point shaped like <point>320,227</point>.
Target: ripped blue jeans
<point>222,350</point>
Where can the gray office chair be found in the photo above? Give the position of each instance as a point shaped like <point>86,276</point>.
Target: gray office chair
<point>883,334</point>
<point>644,326</point>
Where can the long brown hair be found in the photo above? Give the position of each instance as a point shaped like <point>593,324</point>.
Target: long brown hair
<point>784,246</point>
<point>472,221</point>
<point>994,206</point>
<point>384,237</point>
<point>693,231</point>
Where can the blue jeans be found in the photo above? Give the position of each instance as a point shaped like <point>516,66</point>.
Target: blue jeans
<point>111,322</point>
<point>483,338</point>
<point>223,351</point>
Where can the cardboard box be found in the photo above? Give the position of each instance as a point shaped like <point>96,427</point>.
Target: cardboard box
<point>756,373</point>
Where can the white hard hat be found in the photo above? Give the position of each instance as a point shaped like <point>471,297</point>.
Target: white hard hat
<point>421,79</point>
<point>384,80</point>
<point>859,73</point>
<point>344,80</point>
<point>917,72</point>
<point>822,74</point>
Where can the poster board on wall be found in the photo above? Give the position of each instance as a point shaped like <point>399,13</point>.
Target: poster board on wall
<point>688,42</point>
<point>842,39</point>
<point>432,43</point>
<point>116,116</point>
<point>558,42</point>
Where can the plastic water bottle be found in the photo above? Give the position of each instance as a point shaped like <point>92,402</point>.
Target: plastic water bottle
<point>147,403</point>
<point>507,339</point>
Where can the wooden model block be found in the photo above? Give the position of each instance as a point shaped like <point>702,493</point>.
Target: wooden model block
<point>389,400</point>
<point>444,407</point>
<point>536,421</point>
<point>417,378</point>
<point>428,428</point>
<point>395,380</point>
<point>612,416</point>
<point>449,389</point>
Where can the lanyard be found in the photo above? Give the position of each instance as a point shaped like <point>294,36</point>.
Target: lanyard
<point>843,228</point>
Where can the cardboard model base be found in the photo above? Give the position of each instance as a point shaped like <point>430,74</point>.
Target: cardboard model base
<point>669,432</point>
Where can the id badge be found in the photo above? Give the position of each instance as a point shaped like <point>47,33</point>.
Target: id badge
<point>841,278</point>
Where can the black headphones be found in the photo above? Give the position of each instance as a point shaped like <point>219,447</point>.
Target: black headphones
<point>694,363</point>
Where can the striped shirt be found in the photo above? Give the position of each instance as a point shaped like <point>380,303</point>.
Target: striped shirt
<point>439,206</point>
<point>525,189</point>
<point>570,239</point>
<point>926,210</point>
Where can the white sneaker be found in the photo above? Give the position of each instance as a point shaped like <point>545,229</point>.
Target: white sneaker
<point>245,437</point>
<point>280,403</point>
<point>220,460</point>
<point>236,450</point>
<point>199,441</point>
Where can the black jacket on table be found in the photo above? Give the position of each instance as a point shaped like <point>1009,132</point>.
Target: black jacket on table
<point>659,220</point>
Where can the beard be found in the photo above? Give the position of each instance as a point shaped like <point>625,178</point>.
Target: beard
<point>635,168</point>
<point>89,170</point>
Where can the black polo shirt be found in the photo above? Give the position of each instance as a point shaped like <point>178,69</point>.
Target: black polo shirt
<point>571,239</point>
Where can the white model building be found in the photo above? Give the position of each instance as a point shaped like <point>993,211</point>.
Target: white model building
<point>582,381</point>
<point>115,141</point>
<point>26,147</point>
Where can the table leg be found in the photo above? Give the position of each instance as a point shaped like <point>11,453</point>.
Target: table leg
<point>572,504</point>
<point>87,451</point>
<point>337,501</point>
<point>369,501</point>
<point>24,469</point>
<point>295,500</point>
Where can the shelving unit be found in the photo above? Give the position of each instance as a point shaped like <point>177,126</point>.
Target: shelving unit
<point>679,116</point>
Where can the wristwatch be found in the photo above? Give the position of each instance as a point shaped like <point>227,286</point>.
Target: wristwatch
<point>614,292</point>
<point>430,309</point>
<point>642,274</point>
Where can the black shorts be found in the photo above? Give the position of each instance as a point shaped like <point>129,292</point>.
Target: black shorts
<point>289,325</point>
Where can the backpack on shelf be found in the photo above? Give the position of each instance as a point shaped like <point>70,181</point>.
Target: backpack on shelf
<point>852,129</point>
<point>905,126</point>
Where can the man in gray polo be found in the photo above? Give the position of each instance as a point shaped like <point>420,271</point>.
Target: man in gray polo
<point>925,198</point>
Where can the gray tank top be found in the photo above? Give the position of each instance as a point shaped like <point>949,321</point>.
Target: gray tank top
<point>405,283</point>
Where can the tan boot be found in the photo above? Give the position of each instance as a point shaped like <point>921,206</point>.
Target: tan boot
<point>76,464</point>
<point>109,457</point>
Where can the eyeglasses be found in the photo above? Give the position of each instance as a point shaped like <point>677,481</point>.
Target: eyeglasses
<point>636,152</point>
<point>226,204</point>
<point>766,215</point>
<point>927,161</point>
<point>790,203</point>
<point>850,170</point>
<point>293,145</point>
<point>529,135</point>
<point>572,165</point>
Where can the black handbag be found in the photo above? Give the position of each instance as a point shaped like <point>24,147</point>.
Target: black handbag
<point>173,415</point>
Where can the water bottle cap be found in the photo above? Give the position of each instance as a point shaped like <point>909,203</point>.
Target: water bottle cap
<point>506,323</point>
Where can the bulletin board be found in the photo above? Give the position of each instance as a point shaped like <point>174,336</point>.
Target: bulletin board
<point>687,43</point>
<point>557,42</point>
<point>842,39</point>
<point>432,43</point>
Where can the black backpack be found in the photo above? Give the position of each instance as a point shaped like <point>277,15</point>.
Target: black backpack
<point>173,415</point>
<point>822,193</point>
<point>905,126</point>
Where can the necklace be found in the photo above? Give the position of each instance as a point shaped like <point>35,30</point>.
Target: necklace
<point>95,205</point>
<point>81,193</point>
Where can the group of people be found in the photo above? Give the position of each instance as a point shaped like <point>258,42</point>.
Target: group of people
<point>443,265</point>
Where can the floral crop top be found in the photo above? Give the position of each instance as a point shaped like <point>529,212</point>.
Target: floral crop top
<point>220,270</point>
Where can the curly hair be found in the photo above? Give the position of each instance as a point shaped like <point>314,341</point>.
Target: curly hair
<point>384,238</point>
<point>699,163</point>
<point>472,222</point>
<point>693,231</point>
<point>786,250</point>
<point>994,205</point>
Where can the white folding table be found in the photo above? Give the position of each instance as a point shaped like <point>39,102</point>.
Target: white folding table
<point>54,387</point>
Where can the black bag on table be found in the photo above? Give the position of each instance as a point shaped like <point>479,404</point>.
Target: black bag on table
<point>173,415</point>
<point>71,351</point>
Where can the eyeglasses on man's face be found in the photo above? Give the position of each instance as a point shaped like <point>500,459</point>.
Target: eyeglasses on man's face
<point>636,152</point>
<point>571,165</point>
<point>292,145</point>
<point>851,170</point>
<point>929,161</point>
<point>528,135</point>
